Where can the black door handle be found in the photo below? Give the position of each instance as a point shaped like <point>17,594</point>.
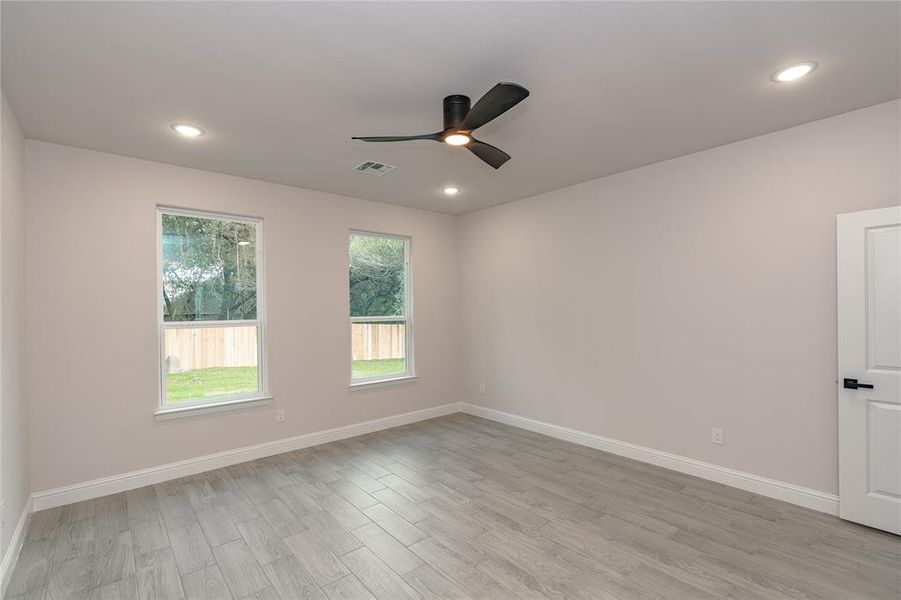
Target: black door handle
<point>851,384</point>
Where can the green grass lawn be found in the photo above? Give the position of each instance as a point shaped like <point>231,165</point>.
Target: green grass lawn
<point>377,368</point>
<point>200,384</point>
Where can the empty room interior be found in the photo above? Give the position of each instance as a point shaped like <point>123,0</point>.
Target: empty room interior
<point>450,300</point>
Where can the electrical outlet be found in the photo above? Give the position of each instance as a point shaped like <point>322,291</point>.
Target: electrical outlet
<point>481,389</point>
<point>280,415</point>
<point>716,436</point>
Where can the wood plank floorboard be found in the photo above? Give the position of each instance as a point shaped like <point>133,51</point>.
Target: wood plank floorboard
<point>455,507</point>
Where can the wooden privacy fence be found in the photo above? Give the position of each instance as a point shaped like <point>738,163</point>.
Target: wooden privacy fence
<point>376,341</point>
<point>205,347</point>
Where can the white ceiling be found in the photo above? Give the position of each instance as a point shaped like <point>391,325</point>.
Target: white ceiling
<point>281,87</point>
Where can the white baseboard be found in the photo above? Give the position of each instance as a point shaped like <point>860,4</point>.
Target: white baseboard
<point>787,492</point>
<point>12,550</point>
<point>135,479</point>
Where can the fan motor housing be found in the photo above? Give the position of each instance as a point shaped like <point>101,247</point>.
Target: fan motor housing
<point>455,109</point>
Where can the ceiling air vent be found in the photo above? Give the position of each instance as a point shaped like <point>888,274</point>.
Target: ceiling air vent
<point>370,167</point>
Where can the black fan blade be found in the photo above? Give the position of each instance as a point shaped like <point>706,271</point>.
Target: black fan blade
<point>493,104</point>
<point>400,138</point>
<point>491,155</point>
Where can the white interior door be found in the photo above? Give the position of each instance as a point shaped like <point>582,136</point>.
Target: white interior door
<point>869,359</point>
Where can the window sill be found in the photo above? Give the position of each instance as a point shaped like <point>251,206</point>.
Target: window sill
<point>164,414</point>
<point>362,385</point>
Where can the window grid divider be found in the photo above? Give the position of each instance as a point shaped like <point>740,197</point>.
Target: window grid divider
<point>384,319</point>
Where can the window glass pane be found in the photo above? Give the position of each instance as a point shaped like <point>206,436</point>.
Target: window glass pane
<point>376,276</point>
<point>210,362</point>
<point>209,269</point>
<point>379,349</point>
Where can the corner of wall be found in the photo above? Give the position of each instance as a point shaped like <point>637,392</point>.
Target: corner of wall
<point>15,467</point>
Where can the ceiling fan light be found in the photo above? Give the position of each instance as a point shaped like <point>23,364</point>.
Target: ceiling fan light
<point>458,139</point>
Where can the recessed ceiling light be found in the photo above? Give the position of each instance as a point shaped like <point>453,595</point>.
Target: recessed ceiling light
<point>794,72</point>
<point>457,139</point>
<point>451,190</point>
<point>187,130</point>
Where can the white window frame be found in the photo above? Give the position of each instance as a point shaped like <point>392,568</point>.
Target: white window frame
<point>261,395</point>
<point>406,318</point>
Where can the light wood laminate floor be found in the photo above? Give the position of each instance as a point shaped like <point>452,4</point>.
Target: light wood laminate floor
<point>456,507</point>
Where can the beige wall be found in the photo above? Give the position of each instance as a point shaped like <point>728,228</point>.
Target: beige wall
<point>647,306</point>
<point>14,484</point>
<point>92,288</point>
<point>652,305</point>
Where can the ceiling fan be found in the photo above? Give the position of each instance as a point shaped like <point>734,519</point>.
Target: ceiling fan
<point>460,121</point>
